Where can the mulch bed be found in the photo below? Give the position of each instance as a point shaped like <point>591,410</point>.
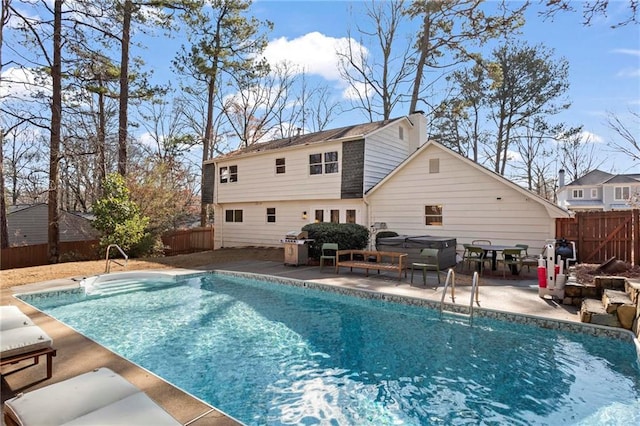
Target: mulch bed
<point>586,272</point>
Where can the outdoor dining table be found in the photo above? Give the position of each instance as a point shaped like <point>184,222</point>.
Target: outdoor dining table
<point>494,249</point>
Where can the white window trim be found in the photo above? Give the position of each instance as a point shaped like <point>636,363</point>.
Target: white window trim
<point>622,188</point>
<point>575,191</point>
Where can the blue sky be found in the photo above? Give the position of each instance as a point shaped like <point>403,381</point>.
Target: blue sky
<point>604,63</point>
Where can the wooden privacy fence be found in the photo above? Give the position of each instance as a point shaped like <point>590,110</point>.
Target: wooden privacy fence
<point>175,242</point>
<point>188,240</point>
<point>599,236</point>
<point>38,254</point>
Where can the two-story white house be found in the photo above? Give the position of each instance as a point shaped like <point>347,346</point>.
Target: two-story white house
<point>598,191</point>
<point>375,172</point>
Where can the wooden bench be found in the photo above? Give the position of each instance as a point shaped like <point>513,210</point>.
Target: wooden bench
<point>369,259</point>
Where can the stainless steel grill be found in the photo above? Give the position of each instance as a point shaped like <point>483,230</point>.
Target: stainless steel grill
<point>296,250</point>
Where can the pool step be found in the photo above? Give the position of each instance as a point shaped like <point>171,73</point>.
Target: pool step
<point>109,288</point>
<point>458,317</point>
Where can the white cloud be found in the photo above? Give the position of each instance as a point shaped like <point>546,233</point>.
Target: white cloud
<point>357,90</point>
<point>633,52</point>
<point>314,53</point>
<point>629,73</point>
<point>588,137</point>
<point>23,84</point>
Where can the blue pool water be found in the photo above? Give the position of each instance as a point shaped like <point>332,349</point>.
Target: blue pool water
<point>275,354</point>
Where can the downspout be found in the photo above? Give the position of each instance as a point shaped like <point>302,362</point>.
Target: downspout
<point>218,222</point>
<point>368,215</point>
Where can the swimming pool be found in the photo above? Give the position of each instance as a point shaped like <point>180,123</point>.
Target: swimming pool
<point>268,353</point>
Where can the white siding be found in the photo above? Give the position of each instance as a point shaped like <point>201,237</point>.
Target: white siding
<point>475,204</point>
<point>383,152</point>
<point>256,231</point>
<point>258,181</point>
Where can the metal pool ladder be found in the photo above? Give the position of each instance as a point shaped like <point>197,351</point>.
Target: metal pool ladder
<point>107,267</point>
<point>451,278</point>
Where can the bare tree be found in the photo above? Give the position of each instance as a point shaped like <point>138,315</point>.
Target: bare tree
<point>577,155</point>
<point>222,39</point>
<point>630,145</point>
<point>526,83</point>
<point>376,83</point>
<point>452,26</point>
<point>593,9</point>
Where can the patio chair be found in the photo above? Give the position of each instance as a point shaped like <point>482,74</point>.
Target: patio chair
<point>329,251</point>
<point>478,256</point>
<point>465,254</point>
<point>21,340</point>
<point>511,259</point>
<point>99,397</point>
<point>481,243</point>
<point>525,248</point>
<point>430,262</point>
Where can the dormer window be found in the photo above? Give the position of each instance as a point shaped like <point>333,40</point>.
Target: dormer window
<point>577,194</point>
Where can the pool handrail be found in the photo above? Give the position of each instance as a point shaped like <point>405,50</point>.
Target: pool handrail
<point>451,277</point>
<point>474,289</point>
<point>107,267</point>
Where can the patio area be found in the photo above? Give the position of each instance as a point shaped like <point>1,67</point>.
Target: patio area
<point>77,354</point>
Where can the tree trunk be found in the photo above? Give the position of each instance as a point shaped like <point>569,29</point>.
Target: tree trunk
<point>56,119</point>
<point>102,124</point>
<point>124,89</point>
<point>4,229</point>
<point>206,146</point>
<point>422,60</point>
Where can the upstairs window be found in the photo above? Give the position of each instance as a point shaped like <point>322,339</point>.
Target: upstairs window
<point>228,174</point>
<point>433,215</point>
<point>331,162</point>
<point>621,193</point>
<point>323,163</point>
<point>594,192</point>
<point>577,194</point>
<point>280,166</point>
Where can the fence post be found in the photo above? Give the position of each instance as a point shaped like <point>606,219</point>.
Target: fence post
<point>635,235</point>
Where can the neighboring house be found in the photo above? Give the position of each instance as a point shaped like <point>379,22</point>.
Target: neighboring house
<point>368,173</point>
<point>28,225</point>
<point>598,190</point>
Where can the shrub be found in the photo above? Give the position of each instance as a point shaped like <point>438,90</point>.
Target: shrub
<point>118,218</point>
<point>348,236</point>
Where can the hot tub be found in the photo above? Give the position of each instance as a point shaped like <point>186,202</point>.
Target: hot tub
<point>413,244</point>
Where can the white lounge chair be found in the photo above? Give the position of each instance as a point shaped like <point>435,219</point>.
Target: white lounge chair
<point>21,339</point>
<point>99,397</point>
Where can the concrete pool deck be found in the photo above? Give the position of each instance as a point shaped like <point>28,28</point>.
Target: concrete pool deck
<point>77,354</point>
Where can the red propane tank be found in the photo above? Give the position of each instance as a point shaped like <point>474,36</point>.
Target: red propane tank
<point>542,277</point>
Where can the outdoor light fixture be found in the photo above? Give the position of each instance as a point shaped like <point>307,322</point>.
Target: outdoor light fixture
<point>304,215</point>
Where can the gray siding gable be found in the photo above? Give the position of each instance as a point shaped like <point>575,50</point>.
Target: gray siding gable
<point>352,169</point>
